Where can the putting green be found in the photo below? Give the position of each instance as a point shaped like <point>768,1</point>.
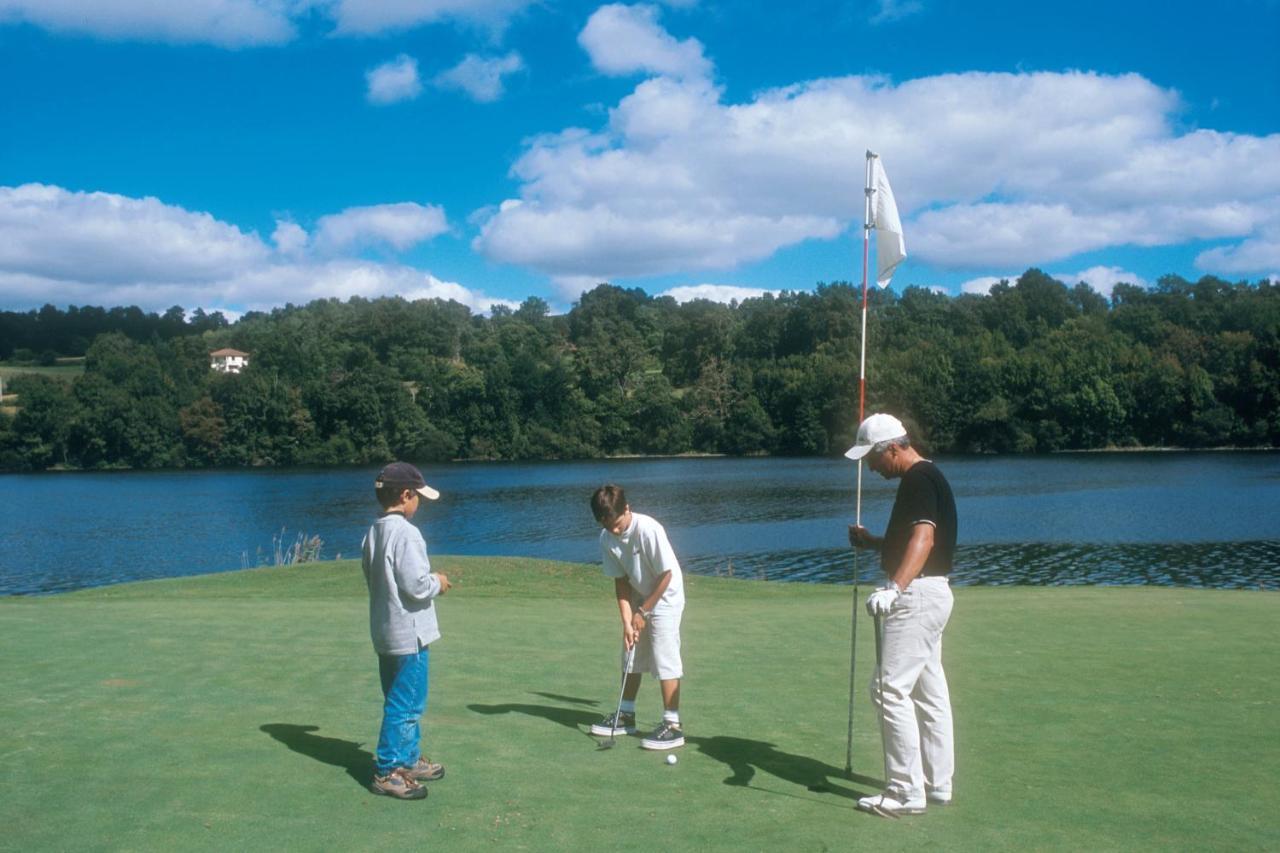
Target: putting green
<point>239,710</point>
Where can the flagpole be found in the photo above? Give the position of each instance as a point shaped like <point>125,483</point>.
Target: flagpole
<point>862,405</point>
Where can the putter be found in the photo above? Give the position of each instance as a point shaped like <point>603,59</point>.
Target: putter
<point>878,808</point>
<point>626,669</point>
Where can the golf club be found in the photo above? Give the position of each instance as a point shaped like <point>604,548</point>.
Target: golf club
<point>626,669</point>
<point>879,808</point>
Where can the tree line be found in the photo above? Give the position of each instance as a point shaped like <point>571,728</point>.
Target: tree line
<point>1033,366</point>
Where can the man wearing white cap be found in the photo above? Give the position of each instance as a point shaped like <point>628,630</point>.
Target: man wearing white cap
<point>909,688</point>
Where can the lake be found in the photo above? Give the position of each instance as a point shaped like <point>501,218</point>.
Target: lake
<point>1184,519</point>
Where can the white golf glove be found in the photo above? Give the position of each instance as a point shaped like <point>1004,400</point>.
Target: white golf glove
<point>880,602</point>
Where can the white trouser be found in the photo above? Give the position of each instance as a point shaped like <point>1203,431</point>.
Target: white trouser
<point>918,745</point>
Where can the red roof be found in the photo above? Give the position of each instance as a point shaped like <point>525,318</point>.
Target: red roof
<point>229,352</point>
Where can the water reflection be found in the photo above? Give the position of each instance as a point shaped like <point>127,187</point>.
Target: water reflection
<point>1221,565</point>
<point>1187,519</point>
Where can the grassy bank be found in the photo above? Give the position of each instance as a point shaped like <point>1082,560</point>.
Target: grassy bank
<point>66,369</point>
<point>239,710</point>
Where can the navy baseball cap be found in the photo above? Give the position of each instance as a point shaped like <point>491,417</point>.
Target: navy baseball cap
<point>402,475</point>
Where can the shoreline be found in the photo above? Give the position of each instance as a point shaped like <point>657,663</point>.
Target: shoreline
<point>1223,449</point>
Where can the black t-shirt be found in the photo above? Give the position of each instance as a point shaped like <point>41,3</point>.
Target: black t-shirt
<point>923,495</point>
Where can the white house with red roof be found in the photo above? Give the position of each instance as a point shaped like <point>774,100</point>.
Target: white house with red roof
<point>228,360</point>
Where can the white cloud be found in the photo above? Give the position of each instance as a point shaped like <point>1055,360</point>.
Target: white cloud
<point>399,225</point>
<point>1259,252</point>
<point>623,39</point>
<point>715,292</point>
<point>983,284</point>
<point>274,284</point>
<point>56,234</point>
<point>895,10</point>
<point>1103,279</point>
<point>369,17</point>
<point>242,23</point>
<point>290,238</point>
<point>226,23</point>
<point>481,77</point>
<point>393,81</point>
<point>106,249</point>
<point>1016,170</point>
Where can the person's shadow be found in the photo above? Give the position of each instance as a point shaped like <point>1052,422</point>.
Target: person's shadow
<point>569,717</point>
<point>346,754</point>
<point>744,757</point>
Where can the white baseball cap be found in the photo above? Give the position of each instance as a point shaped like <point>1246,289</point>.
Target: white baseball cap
<point>872,431</point>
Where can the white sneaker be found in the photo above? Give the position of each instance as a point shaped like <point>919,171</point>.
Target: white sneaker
<point>939,798</point>
<point>887,804</point>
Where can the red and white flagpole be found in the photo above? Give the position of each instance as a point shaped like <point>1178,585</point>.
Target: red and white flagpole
<point>862,407</point>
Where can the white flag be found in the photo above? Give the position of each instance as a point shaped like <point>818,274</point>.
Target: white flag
<point>890,247</point>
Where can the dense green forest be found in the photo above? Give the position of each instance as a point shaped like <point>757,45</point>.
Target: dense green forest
<point>1034,366</point>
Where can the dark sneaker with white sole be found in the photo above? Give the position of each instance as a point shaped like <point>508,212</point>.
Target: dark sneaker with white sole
<point>397,784</point>
<point>621,723</point>
<point>665,736</point>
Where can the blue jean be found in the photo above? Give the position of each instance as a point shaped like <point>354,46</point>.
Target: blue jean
<point>404,692</point>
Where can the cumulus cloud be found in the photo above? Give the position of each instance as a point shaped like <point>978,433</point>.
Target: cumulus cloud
<point>274,284</point>
<point>623,40</point>
<point>1103,279</point>
<point>1259,252</point>
<point>481,77</point>
<point>393,81</point>
<point>982,284</point>
<point>715,292</point>
<point>106,249</point>
<point>242,23</point>
<point>226,23</point>
<point>397,225</point>
<point>362,17</point>
<point>1015,170</point>
<point>56,234</point>
<point>290,238</point>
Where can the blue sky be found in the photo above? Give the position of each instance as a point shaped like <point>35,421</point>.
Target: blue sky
<point>240,154</point>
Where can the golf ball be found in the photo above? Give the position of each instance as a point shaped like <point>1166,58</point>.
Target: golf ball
<point>671,759</point>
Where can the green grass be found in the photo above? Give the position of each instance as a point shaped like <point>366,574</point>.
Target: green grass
<point>238,711</point>
<point>65,369</point>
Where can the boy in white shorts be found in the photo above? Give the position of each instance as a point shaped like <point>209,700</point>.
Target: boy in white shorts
<point>649,589</point>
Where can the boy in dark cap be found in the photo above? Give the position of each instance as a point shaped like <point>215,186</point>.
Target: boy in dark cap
<point>402,622</point>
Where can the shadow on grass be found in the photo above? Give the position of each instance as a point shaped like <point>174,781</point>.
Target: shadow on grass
<point>346,754</point>
<point>569,717</point>
<point>744,757</point>
<point>560,697</point>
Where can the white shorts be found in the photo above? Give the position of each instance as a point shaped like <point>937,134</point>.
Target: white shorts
<point>658,649</point>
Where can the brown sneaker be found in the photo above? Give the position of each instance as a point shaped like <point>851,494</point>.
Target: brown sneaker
<point>424,771</point>
<point>396,784</point>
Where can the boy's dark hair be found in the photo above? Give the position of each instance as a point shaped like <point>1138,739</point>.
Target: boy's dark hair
<point>608,502</point>
<point>389,496</point>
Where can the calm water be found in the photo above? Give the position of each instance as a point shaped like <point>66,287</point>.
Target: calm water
<point>1186,519</point>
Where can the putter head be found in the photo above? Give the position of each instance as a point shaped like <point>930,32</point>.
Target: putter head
<point>608,744</point>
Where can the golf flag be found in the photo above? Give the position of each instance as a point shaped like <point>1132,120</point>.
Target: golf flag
<point>890,247</point>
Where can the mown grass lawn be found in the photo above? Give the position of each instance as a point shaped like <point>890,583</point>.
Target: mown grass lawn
<point>66,369</point>
<point>238,711</point>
